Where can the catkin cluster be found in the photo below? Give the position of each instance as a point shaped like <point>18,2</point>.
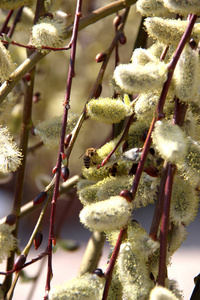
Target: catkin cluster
<point>136,271</point>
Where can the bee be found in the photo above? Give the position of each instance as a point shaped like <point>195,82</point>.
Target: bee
<point>88,157</point>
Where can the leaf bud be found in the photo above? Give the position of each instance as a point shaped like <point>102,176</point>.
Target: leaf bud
<point>100,57</point>
<point>11,219</point>
<point>111,214</point>
<point>98,272</point>
<point>98,91</point>
<point>117,21</point>
<point>38,240</point>
<point>40,198</point>
<point>127,195</point>
<point>151,171</point>
<point>36,97</point>
<point>65,173</point>
<point>122,39</point>
<point>20,261</point>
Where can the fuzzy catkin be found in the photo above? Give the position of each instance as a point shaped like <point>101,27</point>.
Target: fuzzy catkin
<point>7,241</point>
<point>86,287</point>
<point>151,7</point>
<point>49,130</point>
<point>110,214</point>
<point>10,155</point>
<point>169,31</point>
<point>161,293</point>
<point>183,7</point>
<point>184,203</point>
<point>47,32</point>
<point>170,141</point>
<point>137,78</point>
<point>133,272</point>
<point>13,4</point>
<point>186,75</point>
<point>107,110</point>
<point>6,64</point>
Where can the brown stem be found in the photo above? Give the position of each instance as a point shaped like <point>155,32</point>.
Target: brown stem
<point>109,271</point>
<point>165,225</point>
<point>61,145</point>
<point>4,27</point>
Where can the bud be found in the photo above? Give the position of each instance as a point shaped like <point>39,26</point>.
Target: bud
<point>117,21</point>
<point>107,110</point>
<point>48,32</point>
<point>11,219</point>
<point>38,240</point>
<point>137,79</point>
<point>170,141</point>
<point>122,39</point>
<point>98,91</point>
<point>19,263</point>
<point>65,173</point>
<point>100,57</point>
<point>127,195</point>
<point>111,214</point>
<point>40,198</point>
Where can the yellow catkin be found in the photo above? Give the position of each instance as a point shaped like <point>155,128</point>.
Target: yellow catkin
<point>107,215</point>
<point>13,4</point>
<point>137,78</point>
<point>49,130</point>
<point>184,203</point>
<point>183,7</point>
<point>170,141</point>
<point>186,75</point>
<point>5,63</point>
<point>10,155</point>
<point>47,32</point>
<point>7,241</point>
<point>151,7</point>
<point>107,110</point>
<point>169,31</point>
<point>133,272</point>
<point>161,293</point>
<point>86,287</point>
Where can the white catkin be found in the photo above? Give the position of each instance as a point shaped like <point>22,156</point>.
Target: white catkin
<point>111,214</point>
